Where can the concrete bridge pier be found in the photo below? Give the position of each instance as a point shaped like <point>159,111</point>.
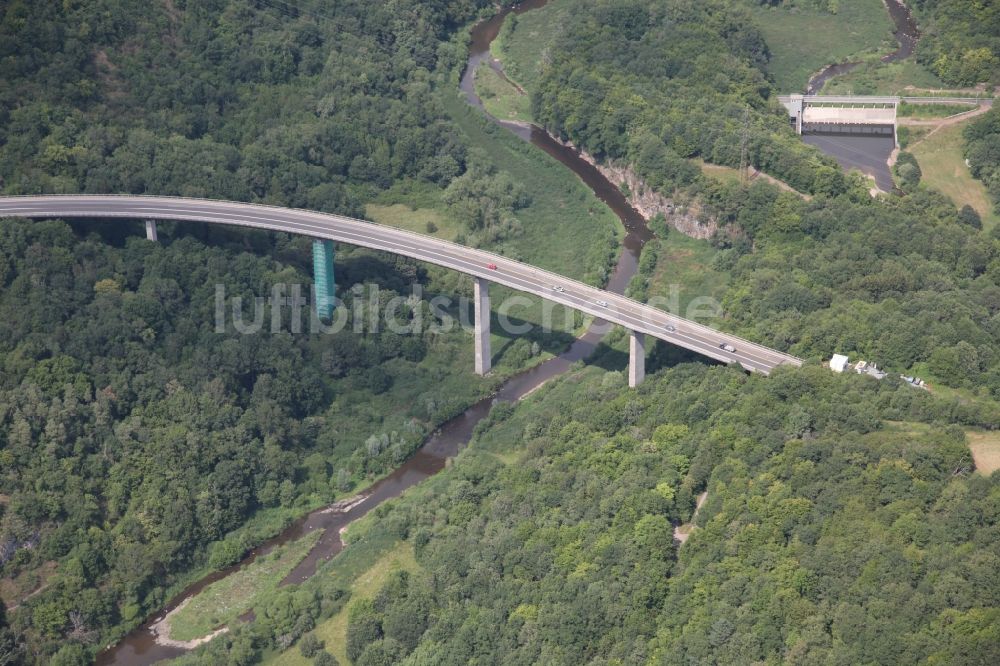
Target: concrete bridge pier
<point>636,358</point>
<point>481,298</point>
<point>151,230</point>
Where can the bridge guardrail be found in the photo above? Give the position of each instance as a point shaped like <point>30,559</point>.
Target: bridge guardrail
<point>403,234</point>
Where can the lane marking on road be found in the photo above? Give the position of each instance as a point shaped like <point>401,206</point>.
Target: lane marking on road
<point>516,275</point>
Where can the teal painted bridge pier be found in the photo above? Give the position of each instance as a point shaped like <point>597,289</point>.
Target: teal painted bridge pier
<point>324,286</point>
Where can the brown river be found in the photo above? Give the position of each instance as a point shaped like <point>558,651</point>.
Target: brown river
<point>905,31</point>
<point>141,647</point>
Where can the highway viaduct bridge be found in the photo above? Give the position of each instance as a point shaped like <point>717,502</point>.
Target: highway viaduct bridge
<point>485,267</point>
<point>857,113</point>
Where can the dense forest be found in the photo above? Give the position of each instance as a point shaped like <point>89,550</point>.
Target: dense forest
<point>982,151</point>
<point>841,526</point>
<point>228,98</point>
<point>684,80</point>
<point>960,41</point>
<point>827,536</point>
<point>139,446</point>
<point>132,433</point>
<point>904,281</point>
<point>824,5</point>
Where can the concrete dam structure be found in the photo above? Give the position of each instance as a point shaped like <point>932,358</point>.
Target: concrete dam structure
<point>857,114</point>
<point>842,114</point>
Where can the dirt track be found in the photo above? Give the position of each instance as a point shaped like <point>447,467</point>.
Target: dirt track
<point>938,123</point>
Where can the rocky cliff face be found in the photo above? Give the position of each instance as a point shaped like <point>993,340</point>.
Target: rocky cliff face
<point>683,217</point>
<point>649,203</point>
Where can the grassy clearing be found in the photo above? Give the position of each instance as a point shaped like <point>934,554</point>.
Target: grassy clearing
<point>685,272</point>
<point>978,397</point>
<point>509,457</point>
<point>227,599</point>
<point>333,632</point>
<point>985,447</point>
<point>565,228</point>
<point>723,174</point>
<point>911,428</point>
<point>501,98</point>
<point>427,221</point>
<point>16,589</point>
<point>943,167</point>
<point>525,42</point>
<point>803,41</point>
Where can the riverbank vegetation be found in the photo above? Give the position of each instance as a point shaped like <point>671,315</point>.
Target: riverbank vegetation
<point>501,98</point>
<point>559,207</point>
<point>317,610</point>
<point>874,77</point>
<point>397,562</point>
<point>815,501</point>
<point>958,49</point>
<point>526,41</point>
<point>564,228</point>
<point>225,600</point>
<point>959,46</point>
<point>683,271</point>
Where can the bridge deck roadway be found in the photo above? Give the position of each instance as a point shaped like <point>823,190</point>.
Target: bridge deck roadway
<point>623,311</point>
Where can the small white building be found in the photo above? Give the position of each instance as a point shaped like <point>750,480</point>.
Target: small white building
<point>838,363</point>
